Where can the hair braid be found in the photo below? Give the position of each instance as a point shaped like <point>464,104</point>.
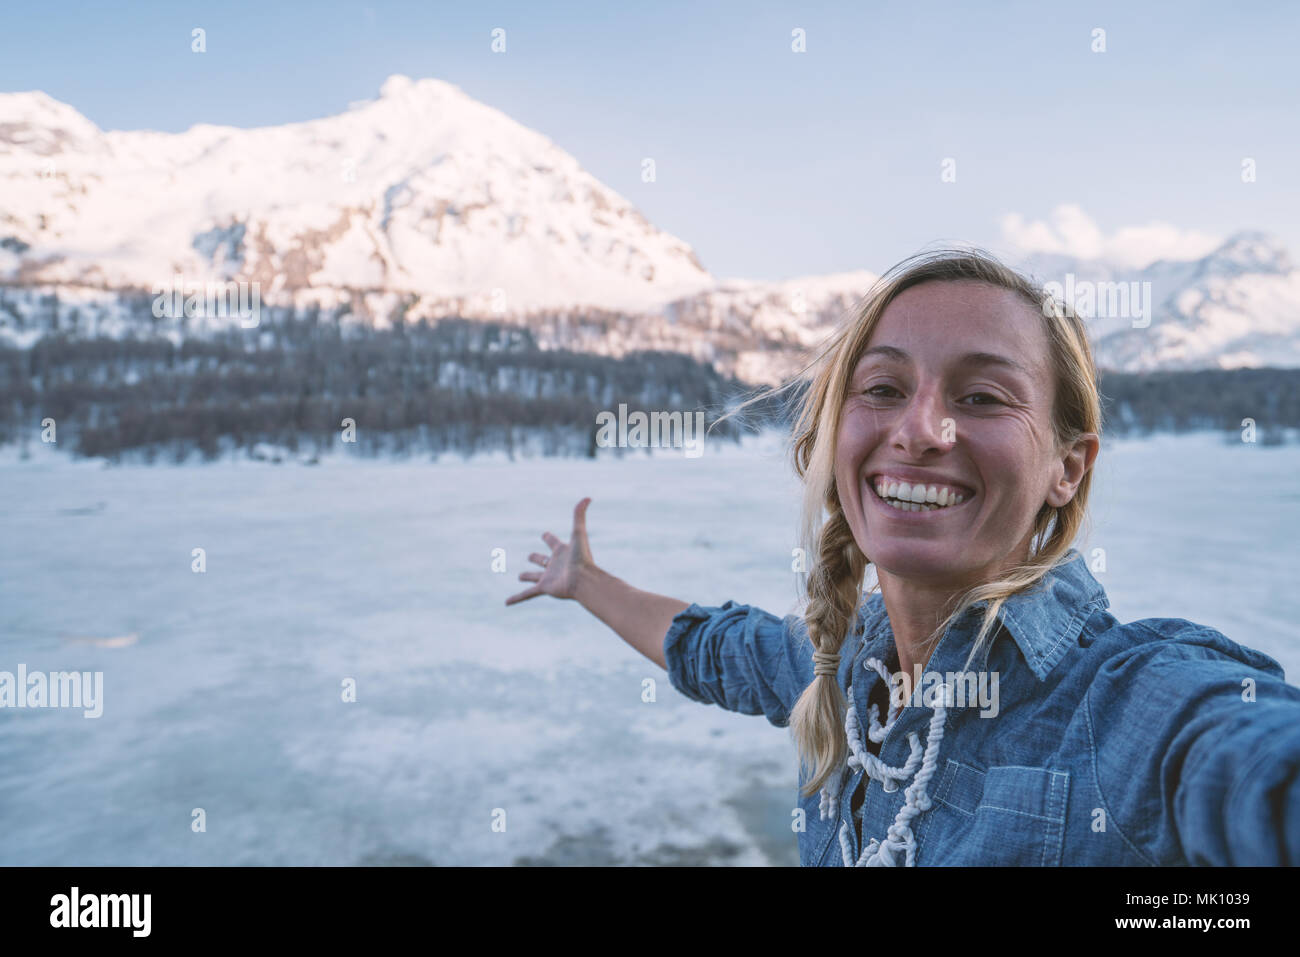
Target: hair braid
<point>834,591</point>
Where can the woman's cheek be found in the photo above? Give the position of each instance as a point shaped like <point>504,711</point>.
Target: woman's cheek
<point>1007,453</point>
<point>857,429</point>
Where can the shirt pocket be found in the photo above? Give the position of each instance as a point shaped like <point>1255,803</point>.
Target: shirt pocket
<point>815,843</point>
<point>1009,815</point>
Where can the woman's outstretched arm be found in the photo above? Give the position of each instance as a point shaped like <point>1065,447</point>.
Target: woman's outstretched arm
<point>641,618</point>
<point>1215,729</point>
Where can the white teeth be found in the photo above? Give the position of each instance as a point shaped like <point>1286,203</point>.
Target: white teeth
<point>907,497</point>
<point>909,506</point>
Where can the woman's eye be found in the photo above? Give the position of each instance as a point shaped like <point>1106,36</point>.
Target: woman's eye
<point>874,390</point>
<point>992,399</point>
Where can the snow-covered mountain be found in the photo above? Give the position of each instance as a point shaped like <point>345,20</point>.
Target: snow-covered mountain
<point>1237,307</point>
<point>763,331</point>
<point>423,191</point>
<point>426,203</point>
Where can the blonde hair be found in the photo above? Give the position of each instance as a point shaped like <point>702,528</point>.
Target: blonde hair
<point>834,585</point>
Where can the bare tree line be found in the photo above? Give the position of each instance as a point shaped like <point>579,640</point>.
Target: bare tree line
<point>459,386</point>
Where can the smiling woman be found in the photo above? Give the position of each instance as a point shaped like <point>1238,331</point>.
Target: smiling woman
<point>946,440</point>
<point>894,402</point>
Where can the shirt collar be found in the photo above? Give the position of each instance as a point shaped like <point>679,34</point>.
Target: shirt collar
<point>1043,620</point>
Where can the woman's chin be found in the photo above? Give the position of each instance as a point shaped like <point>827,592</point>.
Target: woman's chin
<point>919,560</point>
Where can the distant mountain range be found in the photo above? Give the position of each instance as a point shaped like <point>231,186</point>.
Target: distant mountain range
<point>425,203</point>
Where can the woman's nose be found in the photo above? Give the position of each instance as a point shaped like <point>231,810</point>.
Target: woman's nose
<point>924,425</point>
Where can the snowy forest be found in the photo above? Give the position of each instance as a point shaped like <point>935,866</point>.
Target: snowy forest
<point>455,386</point>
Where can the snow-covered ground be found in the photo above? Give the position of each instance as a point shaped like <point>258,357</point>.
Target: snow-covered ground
<point>224,690</point>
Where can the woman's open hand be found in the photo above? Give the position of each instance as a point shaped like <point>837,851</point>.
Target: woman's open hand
<point>641,618</point>
<point>559,574</point>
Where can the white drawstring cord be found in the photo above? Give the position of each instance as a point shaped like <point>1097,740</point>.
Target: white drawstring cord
<point>878,853</point>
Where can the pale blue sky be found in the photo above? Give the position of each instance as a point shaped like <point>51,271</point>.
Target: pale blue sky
<point>771,164</point>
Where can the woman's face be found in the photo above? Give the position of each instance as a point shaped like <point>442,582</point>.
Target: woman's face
<point>951,398</point>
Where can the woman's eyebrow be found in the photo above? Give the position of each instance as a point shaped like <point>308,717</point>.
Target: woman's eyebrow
<point>888,352</point>
<point>992,359</point>
<point>969,359</point>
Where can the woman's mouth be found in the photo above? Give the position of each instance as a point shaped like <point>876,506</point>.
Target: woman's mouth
<point>918,496</point>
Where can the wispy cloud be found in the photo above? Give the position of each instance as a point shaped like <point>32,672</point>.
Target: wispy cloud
<point>1072,232</point>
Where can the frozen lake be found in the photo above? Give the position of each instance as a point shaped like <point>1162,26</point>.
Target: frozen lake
<point>229,696</point>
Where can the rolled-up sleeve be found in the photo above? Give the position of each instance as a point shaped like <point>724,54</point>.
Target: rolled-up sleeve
<point>739,657</point>
<point>1221,736</point>
<point>1239,798</point>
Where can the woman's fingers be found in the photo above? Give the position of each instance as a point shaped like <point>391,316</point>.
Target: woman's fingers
<point>580,519</point>
<point>524,595</point>
<point>561,551</point>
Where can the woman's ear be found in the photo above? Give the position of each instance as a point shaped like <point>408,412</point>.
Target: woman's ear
<point>1074,466</point>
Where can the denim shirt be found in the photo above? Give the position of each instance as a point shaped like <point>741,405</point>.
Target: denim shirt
<point>1156,742</point>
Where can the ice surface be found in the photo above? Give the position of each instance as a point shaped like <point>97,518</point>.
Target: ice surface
<point>230,698</point>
